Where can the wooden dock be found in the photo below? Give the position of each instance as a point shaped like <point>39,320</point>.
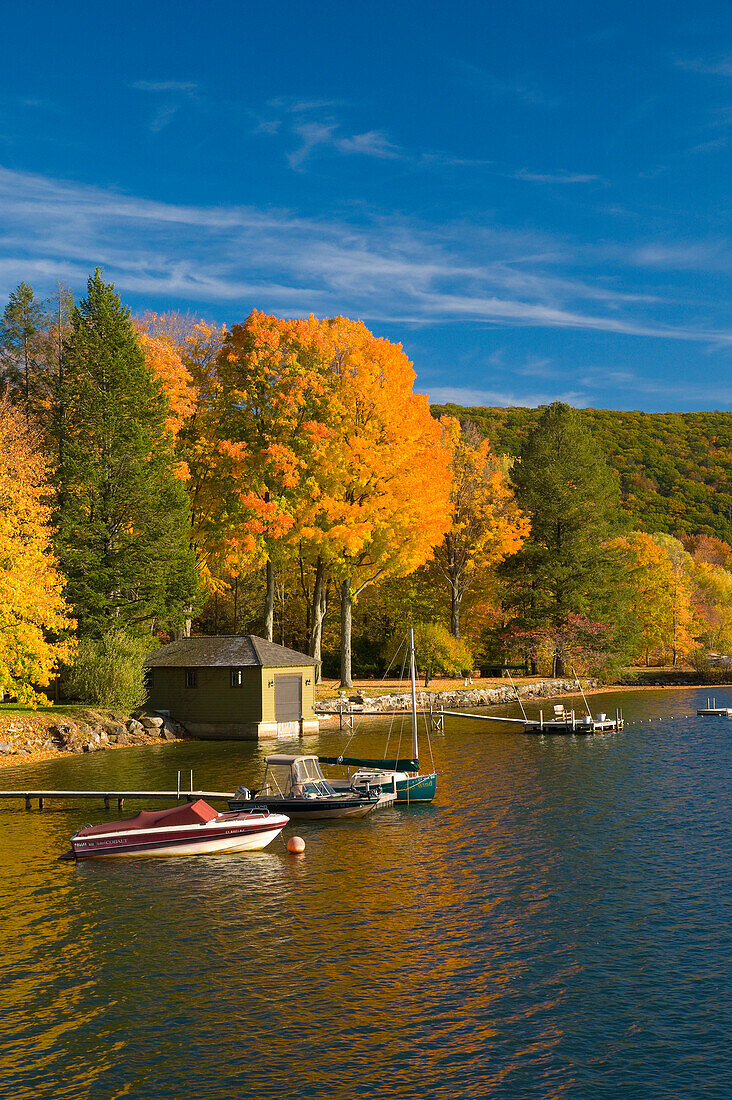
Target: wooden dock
<point>107,796</point>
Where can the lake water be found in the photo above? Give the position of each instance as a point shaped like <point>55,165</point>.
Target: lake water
<point>556,924</point>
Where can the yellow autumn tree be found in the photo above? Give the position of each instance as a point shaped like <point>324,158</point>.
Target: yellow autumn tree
<point>34,618</point>
<point>713,605</point>
<point>486,524</point>
<point>660,581</point>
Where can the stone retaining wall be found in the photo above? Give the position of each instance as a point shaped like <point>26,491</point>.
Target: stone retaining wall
<point>451,700</point>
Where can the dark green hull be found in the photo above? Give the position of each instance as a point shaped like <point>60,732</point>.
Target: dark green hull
<point>417,788</point>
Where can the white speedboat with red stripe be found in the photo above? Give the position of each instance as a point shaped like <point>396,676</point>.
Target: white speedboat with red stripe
<point>193,829</point>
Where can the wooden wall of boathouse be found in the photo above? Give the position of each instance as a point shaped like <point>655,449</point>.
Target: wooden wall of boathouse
<point>234,703</point>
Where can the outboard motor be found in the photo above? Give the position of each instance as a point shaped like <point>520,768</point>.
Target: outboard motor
<point>243,794</point>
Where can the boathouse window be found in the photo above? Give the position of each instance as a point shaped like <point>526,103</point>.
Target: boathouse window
<point>191,678</point>
<point>237,678</point>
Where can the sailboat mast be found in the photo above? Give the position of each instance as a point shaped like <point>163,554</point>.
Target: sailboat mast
<point>579,685</point>
<point>413,675</point>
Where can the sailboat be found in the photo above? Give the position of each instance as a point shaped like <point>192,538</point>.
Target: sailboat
<point>401,775</point>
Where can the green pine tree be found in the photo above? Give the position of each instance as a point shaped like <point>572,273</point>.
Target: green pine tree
<point>21,347</point>
<point>123,515</point>
<point>564,576</point>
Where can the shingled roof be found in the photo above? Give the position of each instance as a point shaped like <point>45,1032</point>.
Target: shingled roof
<point>226,651</point>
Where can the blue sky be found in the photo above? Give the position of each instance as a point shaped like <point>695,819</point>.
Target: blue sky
<point>532,197</point>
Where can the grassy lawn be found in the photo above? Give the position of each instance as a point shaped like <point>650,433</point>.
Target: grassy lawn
<point>60,708</point>
<point>80,711</point>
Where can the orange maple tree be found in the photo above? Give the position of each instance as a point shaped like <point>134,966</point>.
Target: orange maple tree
<point>270,426</point>
<point>325,452</point>
<point>384,493</point>
<point>165,362</point>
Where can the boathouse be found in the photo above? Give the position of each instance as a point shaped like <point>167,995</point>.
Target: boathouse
<point>233,686</point>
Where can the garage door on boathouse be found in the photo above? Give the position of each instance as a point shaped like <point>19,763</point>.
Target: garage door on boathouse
<point>288,698</point>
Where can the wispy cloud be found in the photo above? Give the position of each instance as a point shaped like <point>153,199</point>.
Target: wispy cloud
<point>580,388</point>
<point>680,255</point>
<point>599,378</point>
<point>327,135</point>
<point>458,395</point>
<point>376,268</point>
<point>555,177</point>
<point>314,128</point>
<point>521,87</point>
<point>164,86</point>
<point>175,94</point>
<point>721,66</point>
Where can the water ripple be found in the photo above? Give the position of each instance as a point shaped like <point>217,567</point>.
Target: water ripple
<point>556,925</point>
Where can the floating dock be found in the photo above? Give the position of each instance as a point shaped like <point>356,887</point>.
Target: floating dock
<point>567,723</point>
<point>711,709</point>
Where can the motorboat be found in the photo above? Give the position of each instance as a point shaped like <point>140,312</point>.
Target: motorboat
<point>193,829</point>
<point>296,786</point>
<point>401,775</point>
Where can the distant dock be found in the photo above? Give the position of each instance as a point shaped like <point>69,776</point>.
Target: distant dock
<point>712,710</point>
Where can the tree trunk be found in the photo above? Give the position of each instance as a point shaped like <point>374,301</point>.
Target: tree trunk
<point>455,599</point>
<point>316,619</point>
<point>558,669</point>
<point>184,630</point>
<point>236,604</point>
<point>346,632</point>
<point>269,602</point>
<point>27,379</point>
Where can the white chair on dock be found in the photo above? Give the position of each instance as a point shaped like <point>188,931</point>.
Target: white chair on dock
<point>560,713</point>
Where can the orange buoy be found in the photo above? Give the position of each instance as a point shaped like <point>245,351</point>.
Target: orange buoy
<point>296,844</point>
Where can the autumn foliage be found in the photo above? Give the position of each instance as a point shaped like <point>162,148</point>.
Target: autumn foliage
<point>35,620</point>
<point>486,524</point>
<point>286,469</point>
<point>165,363</point>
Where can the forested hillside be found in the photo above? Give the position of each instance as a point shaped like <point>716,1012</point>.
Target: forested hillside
<point>675,469</point>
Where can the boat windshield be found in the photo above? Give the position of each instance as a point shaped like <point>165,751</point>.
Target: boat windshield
<point>308,769</point>
<point>300,779</point>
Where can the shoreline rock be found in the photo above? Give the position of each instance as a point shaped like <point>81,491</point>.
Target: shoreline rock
<point>449,700</point>
<point>30,736</point>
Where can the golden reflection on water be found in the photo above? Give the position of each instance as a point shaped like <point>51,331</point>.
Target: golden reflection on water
<point>490,945</point>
